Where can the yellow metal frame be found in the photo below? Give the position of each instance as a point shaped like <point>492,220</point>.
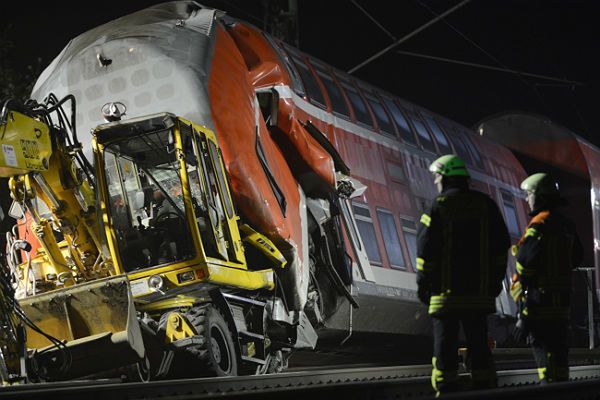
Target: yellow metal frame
<point>26,145</point>
<point>220,272</point>
<point>179,301</point>
<point>40,167</point>
<point>178,327</point>
<point>264,245</point>
<point>233,221</point>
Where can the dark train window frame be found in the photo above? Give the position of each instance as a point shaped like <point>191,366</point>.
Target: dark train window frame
<point>414,118</point>
<point>368,220</point>
<point>264,162</point>
<point>323,73</point>
<point>374,100</point>
<point>283,52</point>
<point>506,197</point>
<point>383,211</point>
<point>473,150</point>
<point>405,135</point>
<point>453,134</point>
<point>347,209</point>
<point>300,62</point>
<point>347,86</point>
<point>400,165</point>
<point>443,148</point>
<point>409,226</point>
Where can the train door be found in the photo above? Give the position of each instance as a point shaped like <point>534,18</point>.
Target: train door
<point>364,268</point>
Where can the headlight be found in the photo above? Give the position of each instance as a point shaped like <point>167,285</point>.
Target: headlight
<point>156,283</point>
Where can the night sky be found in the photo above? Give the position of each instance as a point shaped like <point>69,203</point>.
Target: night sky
<point>546,37</point>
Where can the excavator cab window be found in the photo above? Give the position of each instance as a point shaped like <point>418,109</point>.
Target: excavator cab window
<point>216,211</point>
<point>203,207</point>
<point>147,209</point>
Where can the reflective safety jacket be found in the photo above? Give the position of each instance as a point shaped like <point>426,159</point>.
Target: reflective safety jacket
<point>547,253</point>
<point>461,253</point>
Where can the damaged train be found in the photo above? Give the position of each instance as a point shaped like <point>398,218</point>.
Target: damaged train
<point>246,200</point>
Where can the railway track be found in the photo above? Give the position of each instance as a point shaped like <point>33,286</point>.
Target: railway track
<point>406,382</point>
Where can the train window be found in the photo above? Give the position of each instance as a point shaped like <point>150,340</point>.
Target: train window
<point>400,121</point>
<point>279,47</point>
<point>272,181</point>
<point>350,225</point>
<point>510,213</point>
<point>310,83</point>
<point>474,151</point>
<point>409,229</point>
<point>391,240</point>
<point>460,147</point>
<point>424,136</point>
<point>367,231</point>
<point>361,210</point>
<point>383,119</point>
<point>358,104</point>
<point>396,171</point>
<point>338,103</point>
<point>442,142</point>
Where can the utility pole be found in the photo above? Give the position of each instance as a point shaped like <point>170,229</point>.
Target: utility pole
<point>280,19</point>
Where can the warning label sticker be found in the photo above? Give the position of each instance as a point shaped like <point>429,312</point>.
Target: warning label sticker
<point>10,157</point>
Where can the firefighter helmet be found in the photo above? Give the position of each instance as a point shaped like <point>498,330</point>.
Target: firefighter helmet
<point>540,184</point>
<point>449,165</point>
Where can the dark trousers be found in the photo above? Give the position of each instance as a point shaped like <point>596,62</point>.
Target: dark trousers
<point>444,376</point>
<point>549,342</point>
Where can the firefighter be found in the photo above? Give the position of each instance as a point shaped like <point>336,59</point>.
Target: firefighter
<point>545,256</point>
<point>461,262</point>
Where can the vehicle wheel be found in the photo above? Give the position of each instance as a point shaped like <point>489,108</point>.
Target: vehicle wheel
<point>216,351</point>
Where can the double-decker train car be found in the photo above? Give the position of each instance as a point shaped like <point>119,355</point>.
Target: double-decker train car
<point>389,143</point>
<point>300,115</point>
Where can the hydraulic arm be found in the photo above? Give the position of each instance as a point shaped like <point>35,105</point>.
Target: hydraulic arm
<point>48,178</point>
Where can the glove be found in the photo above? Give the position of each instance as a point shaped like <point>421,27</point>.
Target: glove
<point>521,330</point>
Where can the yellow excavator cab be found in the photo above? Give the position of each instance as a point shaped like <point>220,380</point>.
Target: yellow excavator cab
<point>170,220</point>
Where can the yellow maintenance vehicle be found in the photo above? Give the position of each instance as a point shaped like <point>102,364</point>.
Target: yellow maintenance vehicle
<point>142,259</point>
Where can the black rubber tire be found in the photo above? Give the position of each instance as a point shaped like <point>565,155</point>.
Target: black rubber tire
<point>217,353</point>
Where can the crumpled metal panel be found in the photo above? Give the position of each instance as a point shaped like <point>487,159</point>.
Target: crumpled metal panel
<point>154,60</point>
<point>238,122</point>
<point>265,70</point>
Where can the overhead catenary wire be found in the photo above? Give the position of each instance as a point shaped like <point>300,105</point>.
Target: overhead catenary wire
<point>408,36</point>
<point>534,87</point>
<point>488,54</point>
<point>489,67</point>
<point>379,25</point>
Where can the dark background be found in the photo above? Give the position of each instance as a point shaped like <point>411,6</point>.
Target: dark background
<point>547,37</point>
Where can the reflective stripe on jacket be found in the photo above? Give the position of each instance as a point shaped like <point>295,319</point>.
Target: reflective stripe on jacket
<point>461,253</point>
<point>548,251</point>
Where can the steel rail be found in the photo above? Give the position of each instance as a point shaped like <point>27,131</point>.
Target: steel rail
<point>387,382</point>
